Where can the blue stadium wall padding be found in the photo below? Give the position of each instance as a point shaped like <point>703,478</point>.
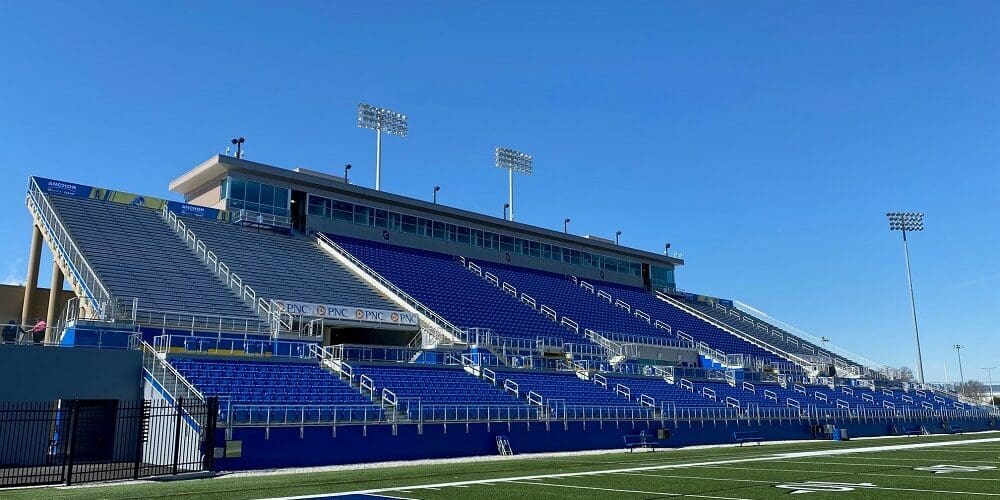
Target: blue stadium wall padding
<point>285,447</point>
<point>81,336</point>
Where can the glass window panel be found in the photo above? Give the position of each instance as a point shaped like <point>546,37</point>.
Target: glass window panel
<point>343,211</point>
<point>381,218</point>
<point>425,227</point>
<point>361,214</point>
<point>506,243</point>
<point>253,192</point>
<point>574,257</point>
<point>238,189</point>
<point>281,198</point>
<point>395,221</point>
<point>534,249</point>
<point>438,230</point>
<point>267,195</point>
<point>409,224</point>
<point>463,235</point>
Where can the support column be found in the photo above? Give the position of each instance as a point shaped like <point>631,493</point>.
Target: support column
<point>31,284</point>
<point>55,290</point>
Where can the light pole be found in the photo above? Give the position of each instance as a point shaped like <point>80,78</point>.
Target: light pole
<point>347,166</point>
<point>989,380</point>
<point>238,142</point>
<point>618,235</point>
<point>961,375</point>
<point>513,161</point>
<point>910,221</point>
<point>381,120</point>
<point>505,207</point>
<point>566,226</point>
<point>436,189</point>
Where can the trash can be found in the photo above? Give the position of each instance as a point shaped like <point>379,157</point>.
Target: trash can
<point>836,435</point>
<point>844,436</point>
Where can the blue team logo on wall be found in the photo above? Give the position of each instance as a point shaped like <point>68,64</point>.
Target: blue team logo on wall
<point>385,235</point>
<point>139,201</point>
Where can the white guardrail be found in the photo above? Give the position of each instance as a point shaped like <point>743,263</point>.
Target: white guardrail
<point>278,319</point>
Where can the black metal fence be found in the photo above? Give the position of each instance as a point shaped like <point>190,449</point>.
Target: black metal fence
<point>74,441</point>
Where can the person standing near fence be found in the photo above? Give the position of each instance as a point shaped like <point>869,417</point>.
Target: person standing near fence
<point>10,332</point>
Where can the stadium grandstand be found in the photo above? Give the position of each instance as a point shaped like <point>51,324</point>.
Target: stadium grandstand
<point>289,318</point>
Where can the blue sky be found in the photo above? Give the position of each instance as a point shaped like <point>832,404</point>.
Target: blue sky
<point>765,143</point>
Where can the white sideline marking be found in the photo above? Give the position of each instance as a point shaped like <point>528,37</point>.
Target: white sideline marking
<point>903,459</point>
<point>761,481</point>
<point>878,474</point>
<point>658,493</point>
<point>779,456</point>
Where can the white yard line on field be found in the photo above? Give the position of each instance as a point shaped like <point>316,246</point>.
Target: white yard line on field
<point>774,457</point>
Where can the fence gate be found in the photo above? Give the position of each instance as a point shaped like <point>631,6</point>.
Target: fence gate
<point>75,441</point>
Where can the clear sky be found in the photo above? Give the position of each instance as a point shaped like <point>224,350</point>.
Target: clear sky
<point>764,142</point>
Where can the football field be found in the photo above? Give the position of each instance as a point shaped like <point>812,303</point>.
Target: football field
<point>925,467</point>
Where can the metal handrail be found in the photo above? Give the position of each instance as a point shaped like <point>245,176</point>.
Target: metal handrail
<point>71,254</point>
<point>814,340</point>
<point>751,339</point>
<point>152,360</point>
<point>277,318</point>
<point>416,304</point>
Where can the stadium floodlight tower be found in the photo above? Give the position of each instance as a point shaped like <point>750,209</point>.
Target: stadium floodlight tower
<point>381,120</point>
<point>513,161</point>
<point>910,221</point>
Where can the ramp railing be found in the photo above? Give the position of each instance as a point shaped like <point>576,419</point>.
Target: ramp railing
<point>66,250</point>
<point>165,375</point>
<point>278,319</point>
<point>439,321</point>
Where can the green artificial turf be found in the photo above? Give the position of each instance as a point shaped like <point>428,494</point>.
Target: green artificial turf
<point>754,472</point>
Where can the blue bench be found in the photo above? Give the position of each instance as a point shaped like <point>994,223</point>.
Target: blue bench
<point>640,440</point>
<point>955,429</point>
<point>913,430</point>
<point>747,437</point>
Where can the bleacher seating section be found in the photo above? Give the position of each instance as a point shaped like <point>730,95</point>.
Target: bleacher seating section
<point>171,279</point>
<point>661,392</point>
<point>286,267</point>
<point>680,320</point>
<point>459,296</point>
<point>564,386</point>
<point>436,386</point>
<point>295,390</point>
<point>799,346</point>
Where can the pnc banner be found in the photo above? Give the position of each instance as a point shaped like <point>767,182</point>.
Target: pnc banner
<point>348,313</point>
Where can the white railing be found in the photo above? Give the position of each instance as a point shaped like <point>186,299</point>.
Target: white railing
<point>439,320</point>
<point>67,250</point>
<point>164,374</point>
<point>250,217</point>
<point>278,319</point>
<point>816,341</point>
<point>737,333</point>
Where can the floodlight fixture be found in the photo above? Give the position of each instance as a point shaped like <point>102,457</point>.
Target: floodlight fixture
<point>513,161</point>
<point>989,381</point>
<point>436,189</point>
<point>618,234</point>
<point>505,207</point>
<point>347,166</point>
<point>903,222</point>
<point>566,225</point>
<point>381,120</point>
<point>961,375</point>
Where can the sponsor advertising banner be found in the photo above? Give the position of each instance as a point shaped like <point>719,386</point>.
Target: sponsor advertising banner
<point>83,191</point>
<point>185,210</point>
<point>348,313</point>
<point>63,188</point>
